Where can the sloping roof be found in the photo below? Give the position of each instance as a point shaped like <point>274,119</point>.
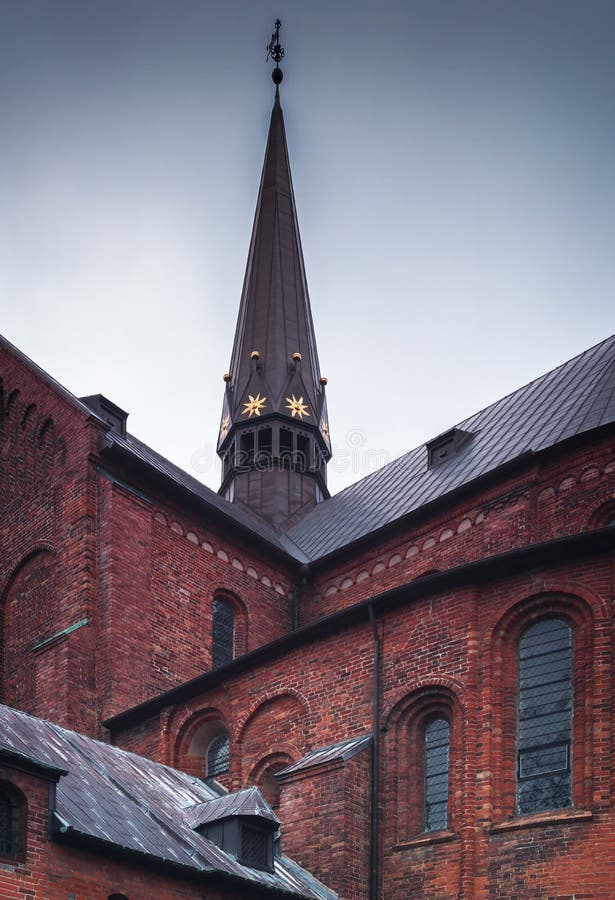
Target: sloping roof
<point>339,752</point>
<point>576,397</point>
<point>248,802</point>
<point>240,514</point>
<point>119,798</point>
<point>573,398</point>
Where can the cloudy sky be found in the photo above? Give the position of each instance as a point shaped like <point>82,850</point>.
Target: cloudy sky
<point>454,178</point>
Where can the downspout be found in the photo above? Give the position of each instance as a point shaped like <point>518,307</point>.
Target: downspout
<point>374,855</point>
<point>297,597</point>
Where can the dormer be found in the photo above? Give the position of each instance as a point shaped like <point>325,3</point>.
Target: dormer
<point>109,412</point>
<point>242,824</point>
<point>444,447</point>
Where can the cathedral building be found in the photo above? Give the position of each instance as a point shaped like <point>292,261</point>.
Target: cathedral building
<point>401,691</point>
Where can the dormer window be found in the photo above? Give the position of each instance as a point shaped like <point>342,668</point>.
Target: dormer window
<point>241,824</point>
<point>445,446</point>
<point>256,846</point>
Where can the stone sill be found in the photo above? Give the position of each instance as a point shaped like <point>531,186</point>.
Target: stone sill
<point>434,837</point>
<point>560,817</point>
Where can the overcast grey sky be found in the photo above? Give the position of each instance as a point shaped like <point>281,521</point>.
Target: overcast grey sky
<point>453,165</point>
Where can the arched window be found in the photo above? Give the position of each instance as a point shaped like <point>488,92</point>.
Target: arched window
<point>8,826</point>
<point>217,759</point>
<point>223,632</point>
<point>544,717</point>
<point>436,768</point>
<point>423,750</point>
<point>12,822</point>
<point>604,516</point>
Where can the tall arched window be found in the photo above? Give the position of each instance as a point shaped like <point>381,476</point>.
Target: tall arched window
<point>544,717</point>
<point>217,761</point>
<point>436,766</point>
<point>12,822</point>
<point>8,826</point>
<point>223,632</point>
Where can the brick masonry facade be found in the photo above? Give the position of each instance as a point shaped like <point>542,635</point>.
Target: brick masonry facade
<point>108,578</point>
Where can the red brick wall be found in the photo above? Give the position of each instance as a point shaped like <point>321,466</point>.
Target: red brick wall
<point>159,575</point>
<point>325,813</point>
<point>550,499</point>
<point>144,573</point>
<point>48,559</point>
<point>455,651</point>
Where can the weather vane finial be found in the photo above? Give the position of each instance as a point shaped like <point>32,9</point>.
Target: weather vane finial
<point>276,52</point>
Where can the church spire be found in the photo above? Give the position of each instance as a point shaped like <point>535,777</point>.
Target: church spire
<point>274,435</point>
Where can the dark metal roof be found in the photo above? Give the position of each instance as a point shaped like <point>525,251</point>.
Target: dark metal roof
<point>242,516</point>
<point>249,802</point>
<point>342,751</point>
<point>121,799</point>
<point>573,398</point>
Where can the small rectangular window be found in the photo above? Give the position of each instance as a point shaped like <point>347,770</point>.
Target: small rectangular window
<point>256,847</point>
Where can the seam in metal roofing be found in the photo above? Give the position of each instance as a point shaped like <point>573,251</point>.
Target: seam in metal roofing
<point>116,797</point>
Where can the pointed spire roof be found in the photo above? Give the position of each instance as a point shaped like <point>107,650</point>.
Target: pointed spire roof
<point>274,353</point>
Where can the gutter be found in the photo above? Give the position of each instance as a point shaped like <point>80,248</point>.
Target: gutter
<point>15,760</point>
<point>62,830</point>
<point>553,552</point>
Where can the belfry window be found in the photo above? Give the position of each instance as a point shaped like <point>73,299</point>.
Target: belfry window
<point>265,447</point>
<point>223,632</point>
<point>217,762</point>
<point>245,457</point>
<point>435,796</point>
<point>544,729</point>
<point>286,447</point>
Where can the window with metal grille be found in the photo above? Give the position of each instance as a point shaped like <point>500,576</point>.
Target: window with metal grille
<point>218,756</point>
<point>256,847</point>
<point>435,798</point>
<point>8,826</point>
<point>544,730</point>
<point>223,632</point>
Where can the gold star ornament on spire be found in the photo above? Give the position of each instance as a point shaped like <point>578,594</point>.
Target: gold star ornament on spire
<point>253,406</point>
<point>297,407</point>
<point>226,421</point>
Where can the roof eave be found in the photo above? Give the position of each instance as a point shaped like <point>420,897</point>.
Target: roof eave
<point>116,451</point>
<point>481,570</point>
